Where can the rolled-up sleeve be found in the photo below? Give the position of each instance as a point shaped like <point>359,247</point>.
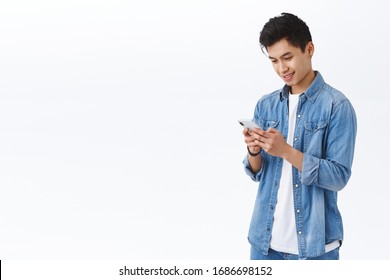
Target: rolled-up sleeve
<point>324,173</point>
<point>333,171</point>
<point>254,176</point>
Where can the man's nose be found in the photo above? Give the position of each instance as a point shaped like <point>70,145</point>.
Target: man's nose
<point>283,67</point>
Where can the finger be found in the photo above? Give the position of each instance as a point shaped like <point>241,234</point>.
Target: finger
<point>249,139</point>
<point>253,144</point>
<point>262,136</point>
<point>256,138</point>
<point>259,144</point>
<point>257,130</point>
<point>259,134</point>
<point>272,130</point>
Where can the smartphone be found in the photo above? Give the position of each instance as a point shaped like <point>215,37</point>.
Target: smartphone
<point>248,123</point>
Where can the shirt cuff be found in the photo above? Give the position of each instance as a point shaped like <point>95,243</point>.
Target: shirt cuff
<point>310,168</point>
<point>254,176</point>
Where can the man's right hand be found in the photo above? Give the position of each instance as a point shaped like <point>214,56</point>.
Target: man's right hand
<point>251,139</point>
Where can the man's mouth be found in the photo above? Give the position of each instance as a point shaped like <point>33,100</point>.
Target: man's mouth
<point>288,77</point>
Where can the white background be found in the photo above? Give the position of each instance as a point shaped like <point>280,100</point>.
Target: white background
<point>118,124</point>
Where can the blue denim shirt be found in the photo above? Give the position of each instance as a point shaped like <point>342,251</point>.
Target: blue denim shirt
<point>325,132</point>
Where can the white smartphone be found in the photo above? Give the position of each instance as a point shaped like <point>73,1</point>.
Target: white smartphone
<point>248,123</point>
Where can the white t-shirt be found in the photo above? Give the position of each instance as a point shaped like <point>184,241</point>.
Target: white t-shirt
<point>284,234</point>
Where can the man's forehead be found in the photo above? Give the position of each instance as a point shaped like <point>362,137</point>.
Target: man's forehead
<point>281,48</point>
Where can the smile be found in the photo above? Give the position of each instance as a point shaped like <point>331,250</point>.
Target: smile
<point>288,76</point>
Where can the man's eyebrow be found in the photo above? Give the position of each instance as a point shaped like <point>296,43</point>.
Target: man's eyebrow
<point>285,54</point>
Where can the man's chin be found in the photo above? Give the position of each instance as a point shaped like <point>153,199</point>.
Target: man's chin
<point>289,83</point>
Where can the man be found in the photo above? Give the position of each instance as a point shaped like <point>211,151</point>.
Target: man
<point>302,153</point>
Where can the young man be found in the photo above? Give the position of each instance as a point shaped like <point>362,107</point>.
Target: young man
<point>302,153</point>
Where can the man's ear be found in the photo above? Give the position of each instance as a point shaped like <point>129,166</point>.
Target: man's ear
<point>310,48</point>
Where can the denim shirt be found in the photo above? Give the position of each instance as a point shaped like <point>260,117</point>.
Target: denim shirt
<point>325,132</point>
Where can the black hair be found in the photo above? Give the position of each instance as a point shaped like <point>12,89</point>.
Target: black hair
<point>287,26</point>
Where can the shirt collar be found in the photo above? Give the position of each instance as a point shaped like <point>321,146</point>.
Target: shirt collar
<point>312,91</point>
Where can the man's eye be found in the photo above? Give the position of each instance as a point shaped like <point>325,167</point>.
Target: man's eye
<point>288,58</point>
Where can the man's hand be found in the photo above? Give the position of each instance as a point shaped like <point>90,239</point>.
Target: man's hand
<point>273,142</point>
<point>250,140</point>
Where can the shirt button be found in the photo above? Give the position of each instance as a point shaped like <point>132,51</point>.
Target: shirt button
<point>296,185</point>
<point>298,210</point>
<point>299,116</point>
<point>295,139</point>
<point>299,232</point>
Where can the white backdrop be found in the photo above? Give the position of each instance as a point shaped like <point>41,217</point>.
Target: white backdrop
<point>118,124</point>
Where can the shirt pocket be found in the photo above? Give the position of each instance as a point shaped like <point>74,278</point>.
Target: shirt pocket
<point>314,137</point>
<point>265,124</point>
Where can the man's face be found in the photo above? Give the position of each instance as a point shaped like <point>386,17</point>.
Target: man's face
<point>292,65</point>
